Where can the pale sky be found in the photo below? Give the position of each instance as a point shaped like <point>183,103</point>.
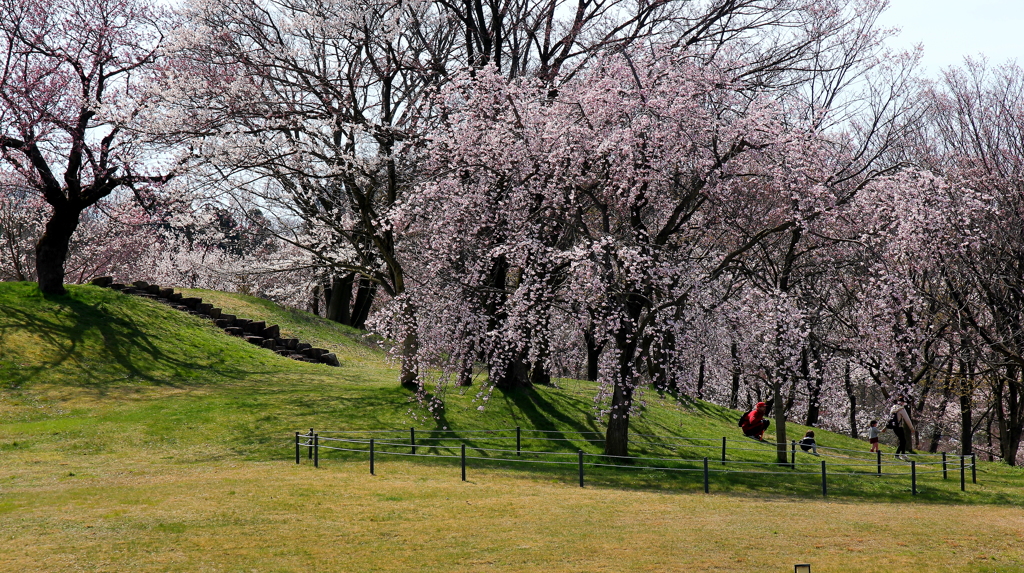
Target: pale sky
<point>952,29</point>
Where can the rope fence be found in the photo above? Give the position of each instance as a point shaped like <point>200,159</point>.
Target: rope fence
<point>465,446</point>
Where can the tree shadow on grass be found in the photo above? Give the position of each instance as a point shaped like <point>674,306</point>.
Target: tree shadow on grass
<point>65,333</point>
<point>552,420</point>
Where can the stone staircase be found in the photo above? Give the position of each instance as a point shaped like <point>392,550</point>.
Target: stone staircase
<point>253,331</point>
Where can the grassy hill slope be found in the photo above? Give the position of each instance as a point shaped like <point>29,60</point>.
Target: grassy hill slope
<point>136,436</point>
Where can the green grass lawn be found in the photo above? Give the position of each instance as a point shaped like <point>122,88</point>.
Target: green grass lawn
<point>134,436</point>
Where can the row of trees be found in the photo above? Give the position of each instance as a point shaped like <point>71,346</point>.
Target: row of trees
<point>734,200</point>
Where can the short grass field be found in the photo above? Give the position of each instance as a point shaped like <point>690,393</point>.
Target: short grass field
<point>138,438</point>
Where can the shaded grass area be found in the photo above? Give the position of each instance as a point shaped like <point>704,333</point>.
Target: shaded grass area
<point>135,440</point>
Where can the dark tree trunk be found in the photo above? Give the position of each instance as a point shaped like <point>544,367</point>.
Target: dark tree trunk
<point>341,299</point>
<point>734,393</point>
<point>852,396</point>
<point>409,377</point>
<point>540,375</point>
<point>700,379</point>
<point>781,453</point>
<point>617,435</point>
<point>465,373</point>
<point>593,355</point>
<point>52,249</point>
<point>513,376</point>
<point>314,303</point>
<point>967,425</point>
<point>1010,414</point>
<point>365,294</point>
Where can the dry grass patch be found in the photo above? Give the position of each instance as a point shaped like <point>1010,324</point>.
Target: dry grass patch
<point>112,515</point>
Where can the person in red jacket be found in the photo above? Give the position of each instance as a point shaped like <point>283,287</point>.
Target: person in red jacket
<point>754,423</point>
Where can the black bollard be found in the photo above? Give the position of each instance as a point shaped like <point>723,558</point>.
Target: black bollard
<point>297,454</point>
<point>316,450</point>
<point>879,456</point>
<point>412,440</point>
<point>943,465</point>
<point>310,443</point>
<point>519,442</point>
<point>824,480</point>
<point>463,462</point>
<point>371,457</point>
<point>581,467</point>
<point>723,450</point>
<point>974,468</point>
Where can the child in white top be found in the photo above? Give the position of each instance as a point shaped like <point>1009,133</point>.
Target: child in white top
<point>873,432</point>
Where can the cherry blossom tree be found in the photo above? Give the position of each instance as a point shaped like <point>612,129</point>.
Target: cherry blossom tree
<point>975,142</point>
<point>69,93</point>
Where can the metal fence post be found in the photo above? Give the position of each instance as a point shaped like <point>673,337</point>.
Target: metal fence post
<point>371,457</point>
<point>519,443</point>
<point>297,455</point>
<point>706,490</point>
<point>723,450</point>
<point>412,440</point>
<point>463,462</point>
<point>316,450</point>
<point>943,465</point>
<point>963,487</point>
<point>824,480</point>
<point>974,468</point>
<point>879,459</point>
<point>792,453</point>
<point>581,467</point>
<point>310,443</point>
<point>913,477</point>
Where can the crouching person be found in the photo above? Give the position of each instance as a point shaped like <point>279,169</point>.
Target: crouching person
<point>753,422</point>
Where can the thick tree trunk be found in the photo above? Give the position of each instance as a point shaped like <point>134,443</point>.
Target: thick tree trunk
<point>52,249</point>
<point>410,345</point>
<point>617,435</point>
<point>593,355</point>
<point>512,376</point>
<point>465,373</point>
<point>341,299</point>
<point>1010,414</point>
<point>365,295</point>
<point>539,375</point>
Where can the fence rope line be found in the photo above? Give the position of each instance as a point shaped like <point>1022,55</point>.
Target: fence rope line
<point>435,445</point>
<point>632,458</point>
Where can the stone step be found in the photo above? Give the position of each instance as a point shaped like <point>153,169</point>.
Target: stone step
<point>257,340</point>
<point>234,331</point>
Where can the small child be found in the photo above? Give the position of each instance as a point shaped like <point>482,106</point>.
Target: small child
<point>873,432</point>
<point>808,444</point>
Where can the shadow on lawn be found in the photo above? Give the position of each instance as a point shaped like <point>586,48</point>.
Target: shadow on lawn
<point>66,324</point>
<point>543,415</point>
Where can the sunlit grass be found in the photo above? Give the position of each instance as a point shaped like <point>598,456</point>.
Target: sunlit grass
<point>161,455</point>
